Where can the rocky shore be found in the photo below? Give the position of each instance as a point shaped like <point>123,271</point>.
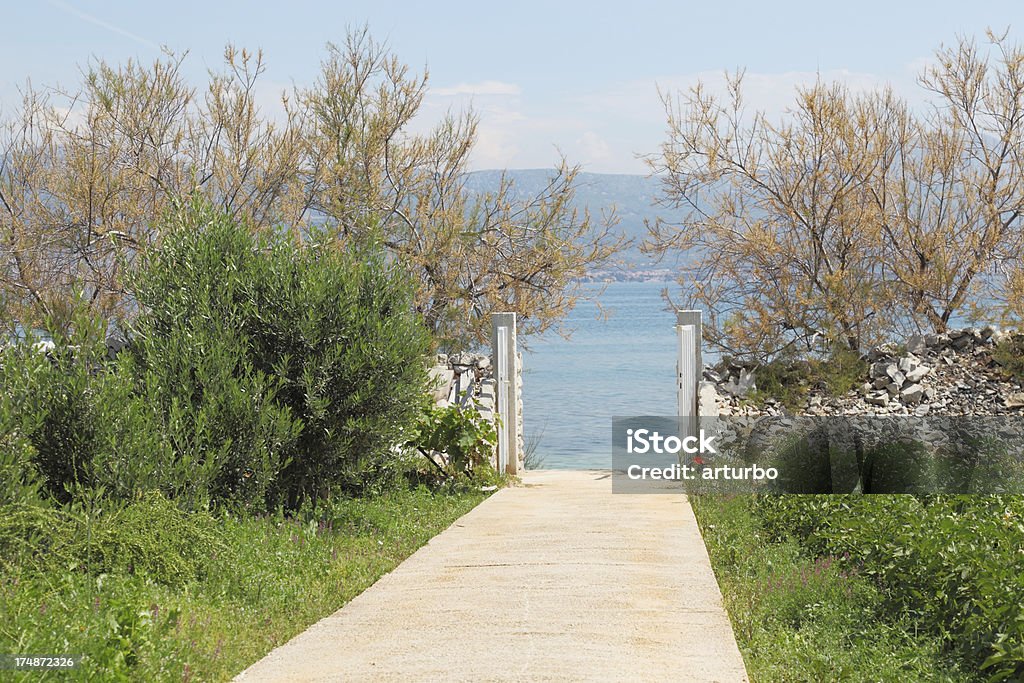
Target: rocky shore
<point>955,373</point>
<point>937,414</point>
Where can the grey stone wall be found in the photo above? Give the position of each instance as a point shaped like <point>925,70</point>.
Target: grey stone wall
<point>466,379</point>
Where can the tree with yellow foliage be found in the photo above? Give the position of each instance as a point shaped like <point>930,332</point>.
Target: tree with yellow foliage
<point>852,220</point>
<point>86,177</point>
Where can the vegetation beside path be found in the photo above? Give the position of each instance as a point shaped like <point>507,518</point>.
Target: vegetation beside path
<point>808,611</point>
<point>154,593</point>
<point>243,468</point>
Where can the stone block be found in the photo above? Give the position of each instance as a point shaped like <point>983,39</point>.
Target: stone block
<point>912,394</point>
<point>918,373</point>
<point>917,344</point>
<point>880,399</point>
<point>440,382</point>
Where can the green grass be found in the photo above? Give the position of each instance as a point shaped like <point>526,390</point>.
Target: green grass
<point>1009,354</point>
<point>804,618</point>
<point>788,380</point>
<point>138,610</point>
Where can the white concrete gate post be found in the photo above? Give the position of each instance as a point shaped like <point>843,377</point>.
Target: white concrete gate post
<point>506,368</point>
<point>689,368</point>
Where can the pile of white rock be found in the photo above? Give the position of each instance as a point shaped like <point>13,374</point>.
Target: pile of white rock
<point>954,373</point>
<point>465,379</point>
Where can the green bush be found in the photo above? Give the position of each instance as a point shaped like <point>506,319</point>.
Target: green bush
<point>295,366</point>
<point>27,534</point>
<point>1009,354</point>
<point>263,372</point>
<point>226,437</point>
<point>19,478</point>
<point>151,537</point>
<point>45,407</point>
<point>85,423</point>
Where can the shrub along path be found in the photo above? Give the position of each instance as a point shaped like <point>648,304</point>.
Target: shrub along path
<point>556,579</point>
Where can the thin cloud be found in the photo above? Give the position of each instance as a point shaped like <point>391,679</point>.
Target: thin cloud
<point>773,93</point>
<point>59,4</point>
<point>481,88</point>
<point>594,147</point>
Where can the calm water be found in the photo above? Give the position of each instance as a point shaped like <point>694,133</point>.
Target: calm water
<point>624,365</point>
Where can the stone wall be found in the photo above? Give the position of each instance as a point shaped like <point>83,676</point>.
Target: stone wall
<point>466,379</point>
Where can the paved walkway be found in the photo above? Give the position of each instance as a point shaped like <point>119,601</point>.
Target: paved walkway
<point>555,580</point>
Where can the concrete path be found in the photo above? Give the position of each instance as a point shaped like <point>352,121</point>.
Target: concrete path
<point>554,580</point>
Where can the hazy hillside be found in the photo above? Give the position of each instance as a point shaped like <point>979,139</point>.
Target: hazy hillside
<point>634,198</point>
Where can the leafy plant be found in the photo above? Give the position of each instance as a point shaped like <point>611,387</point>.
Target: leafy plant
<point>457,441</point>
<point>46,405</point>
<point>19,479</point>
<point>262,372</point>
<point>150,537</point>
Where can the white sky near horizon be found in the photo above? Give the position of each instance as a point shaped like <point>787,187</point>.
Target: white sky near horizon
<point>573,78</point>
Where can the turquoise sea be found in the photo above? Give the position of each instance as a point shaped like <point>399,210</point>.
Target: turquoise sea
<point>620,366</point>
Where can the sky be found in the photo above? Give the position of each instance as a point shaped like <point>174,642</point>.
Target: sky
<point>547,79</point>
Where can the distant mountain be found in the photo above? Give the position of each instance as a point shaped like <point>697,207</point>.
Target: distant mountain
<point>634,198</point>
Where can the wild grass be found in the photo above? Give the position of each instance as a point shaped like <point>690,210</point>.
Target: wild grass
<point>800,617</point>
<point>532,459</point>
<point>152,593</point>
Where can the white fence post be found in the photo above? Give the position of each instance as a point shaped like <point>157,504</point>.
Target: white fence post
<point>689,368</point>
<point>505,363</point>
